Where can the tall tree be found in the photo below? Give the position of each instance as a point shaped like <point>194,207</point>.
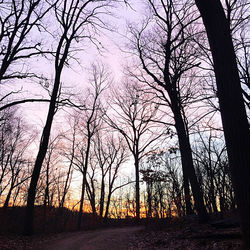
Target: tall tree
<point>76,20</point>
<point>117,155</point>
<point>90,122</point>
<point>14,161</point>
<point>102,158</point>
<point>168,56</point>
<point>69,154</point>
<point>110,152</point>
<point>233,113</point>
<point>135,115</point>
<point>211,162</point>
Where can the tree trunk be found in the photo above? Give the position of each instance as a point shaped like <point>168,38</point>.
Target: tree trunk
<point>28,224</point>
<point>107,206</point>
<point>91,195</point>
<point>102,196</point>
<point>233,113</point>
<point>213,196</point>
<point>46,195</point>
<point>137,188</point>
<point>79,220</point>
<point>188,166</point>
<point>7,200</point>
<point>65,189</point>
<point>149,191</point>
<point>187,197</point>
<point>176,193</point>
<point>18,188</point>
<point>109,197</point>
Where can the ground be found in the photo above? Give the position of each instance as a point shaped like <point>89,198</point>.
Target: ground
<point>109,238</point>
<point>112,238</point>
<point>189,235</point>
<point>184,234</point>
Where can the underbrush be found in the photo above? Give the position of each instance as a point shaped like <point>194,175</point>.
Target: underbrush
<point>54,220</point>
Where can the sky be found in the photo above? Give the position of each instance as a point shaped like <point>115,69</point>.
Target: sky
<point>75,77</point>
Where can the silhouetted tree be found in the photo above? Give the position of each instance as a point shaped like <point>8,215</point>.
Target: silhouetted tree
<point>233,113</point>
<point>19,21</point>
<point>110,154</point>
<point>154,176</point>
<point>136,115</point>
<point>212,164</point>
<point>69,154</point>
<point>76,20</point>
<point>14,158</point>
<point>90,122</point>
<point>167,55</point>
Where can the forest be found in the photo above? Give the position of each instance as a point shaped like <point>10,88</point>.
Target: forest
<point>119,112</point>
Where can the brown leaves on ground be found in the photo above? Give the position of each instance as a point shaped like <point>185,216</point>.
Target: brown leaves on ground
<point>188,235</point>
<point>18,242</point>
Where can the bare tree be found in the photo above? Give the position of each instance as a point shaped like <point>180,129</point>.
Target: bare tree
<point>76,21</point>
<point>22,31</point>
<point>51,158</point>
<point>20,20</point>
<point>233,113</point>
<point>101,158</point>
<point>117,155</point>
<point>92,182</point>
<point>153,177</point>
<point>110,154</point>
<point>135,116</point>
<point>167,55</point>
<point>70,156</point>
<point>90,122</point>
<point>211,162</point>
<point>6,131</point>
<point>237,15</point>
<point>14,157</point>
<point>161,172</point>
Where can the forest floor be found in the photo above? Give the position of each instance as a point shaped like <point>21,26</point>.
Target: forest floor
<point>221,235</point>
<point>181,234</point>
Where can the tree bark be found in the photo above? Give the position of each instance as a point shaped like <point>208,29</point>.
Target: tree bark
<point>187,197</point>
<point>65,189</point>
<point>28,226</point>
<point>7,200</point>
<point>137,188</point>
<point>149,191</point>
<point>187,165</point>
<point>109,194</point>
<point>79,220</point>
<point>91,196</point>
<point>102,196</point>
<point>233,113</point>
<point>107,206</point>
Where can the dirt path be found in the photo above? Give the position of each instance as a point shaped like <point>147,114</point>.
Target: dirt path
<point>115,238</point>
